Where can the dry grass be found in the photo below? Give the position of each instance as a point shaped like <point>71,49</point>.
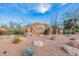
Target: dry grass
<point>16,40</point>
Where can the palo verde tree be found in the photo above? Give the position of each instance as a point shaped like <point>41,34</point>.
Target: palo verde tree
<point>70,20</point>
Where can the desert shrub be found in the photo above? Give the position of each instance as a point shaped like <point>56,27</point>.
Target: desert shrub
<point>77,30</point>
<point>69,32</point>
<point>15,31</point>
<point>16,40</point>
<point>28,52</point>
<point>47,31</point>
<point>72,32</point>
<point>1,32</point>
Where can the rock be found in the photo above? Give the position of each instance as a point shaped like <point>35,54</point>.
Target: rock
<point>72,39</point>
<point>37,43</point>
<point>70,50</point>
<point>4,52</point>
<point>53,38</point>
<point>74,43</point>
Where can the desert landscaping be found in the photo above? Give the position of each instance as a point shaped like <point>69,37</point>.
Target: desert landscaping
<point>39,39</point>
<point>48,48</point>
<point>44,30</point>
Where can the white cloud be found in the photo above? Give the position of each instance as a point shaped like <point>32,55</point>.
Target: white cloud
<point>42,8</point>
<point>63,4</point>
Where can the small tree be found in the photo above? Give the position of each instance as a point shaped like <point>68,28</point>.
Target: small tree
<point>15,25</point>
<point>70,25</point>
<point>71,18</point>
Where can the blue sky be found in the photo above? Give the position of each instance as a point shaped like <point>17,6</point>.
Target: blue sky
<point>33,12</point>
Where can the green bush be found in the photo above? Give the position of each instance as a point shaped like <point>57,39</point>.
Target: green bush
<point>16,40</point>
<point>15,31</point>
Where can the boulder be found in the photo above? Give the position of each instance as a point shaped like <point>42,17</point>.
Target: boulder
<point>72,39</point>
<point>70,50</point>
<point>53,38</point>
<point>37,43</point>
<point>74,43</point>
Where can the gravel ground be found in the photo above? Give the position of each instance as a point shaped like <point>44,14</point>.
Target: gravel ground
<point>49,48</point>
